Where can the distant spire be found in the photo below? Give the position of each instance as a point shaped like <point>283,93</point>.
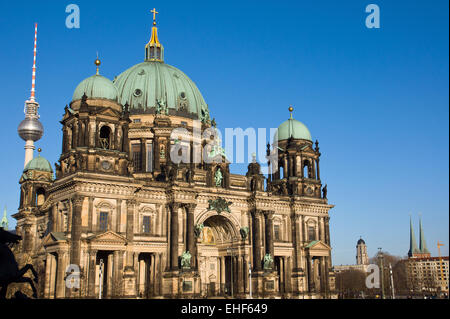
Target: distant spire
<point>4,221</point>
<point>154,50</point>
<point>30,129</point>
<point>422,243</point>
<point>33,76</point>
<point>412,240</point>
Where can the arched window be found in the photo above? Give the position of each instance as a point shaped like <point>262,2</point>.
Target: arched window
<point>105,137</point>
<point>40,196</point>
<point>306,169</point>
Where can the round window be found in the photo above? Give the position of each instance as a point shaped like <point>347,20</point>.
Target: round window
<point>183,95</point>
<point>137,92</point>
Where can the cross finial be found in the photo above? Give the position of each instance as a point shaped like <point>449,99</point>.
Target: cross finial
<point>154,15</point>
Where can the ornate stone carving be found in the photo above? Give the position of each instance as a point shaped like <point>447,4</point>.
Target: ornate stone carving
<point>219,205</point>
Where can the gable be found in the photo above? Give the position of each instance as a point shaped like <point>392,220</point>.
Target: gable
<point>108,237</point>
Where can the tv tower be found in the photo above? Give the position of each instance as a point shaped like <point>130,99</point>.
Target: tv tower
<point>31,129</point>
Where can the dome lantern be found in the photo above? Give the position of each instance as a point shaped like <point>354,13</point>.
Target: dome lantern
<point>154,50</point>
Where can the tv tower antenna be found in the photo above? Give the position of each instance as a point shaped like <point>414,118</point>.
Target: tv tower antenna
<point>31,129</point>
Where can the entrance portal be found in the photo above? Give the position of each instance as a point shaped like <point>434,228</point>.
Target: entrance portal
<point>219,241</point>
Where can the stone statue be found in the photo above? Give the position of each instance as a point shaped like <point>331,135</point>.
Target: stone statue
<point>268,261</point>
<point>186,260</point>
<point>244,232</point>
<point>198,230</point>
<point>161,107</point>
<point>324,191</point>
<point>9,269</point>
<point>218,177</point>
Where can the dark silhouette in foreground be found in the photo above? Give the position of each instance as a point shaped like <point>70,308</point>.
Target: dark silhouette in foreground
<point>9,270</point>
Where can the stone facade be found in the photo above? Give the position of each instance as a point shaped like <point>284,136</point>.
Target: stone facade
<point>121,206</point>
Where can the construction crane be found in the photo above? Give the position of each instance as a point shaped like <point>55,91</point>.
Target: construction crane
<point>440,261</point>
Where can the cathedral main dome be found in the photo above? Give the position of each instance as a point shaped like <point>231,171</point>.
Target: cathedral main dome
<point>150,85</point>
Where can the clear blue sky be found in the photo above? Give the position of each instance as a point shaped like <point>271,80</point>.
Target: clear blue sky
<point>376,99</point>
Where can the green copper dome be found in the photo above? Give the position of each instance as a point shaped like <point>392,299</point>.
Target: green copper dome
<point>153,86</point>
<point>293,128</point>
<point>39,164</point>
<point>96,86</point>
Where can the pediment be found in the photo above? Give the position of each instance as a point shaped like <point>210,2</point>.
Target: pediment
<point>53,238</point>
<point>108,112</point>
<point>318,245</point>
<point>108,237</point>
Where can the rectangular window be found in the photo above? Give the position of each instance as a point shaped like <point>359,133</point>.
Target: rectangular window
<point>276,232</point>
<point>150,157</point>
<point>146,224</point>
<point>137,157</point>
<point>311,233</point>
<point>137,121</point>
<point>103,223</point>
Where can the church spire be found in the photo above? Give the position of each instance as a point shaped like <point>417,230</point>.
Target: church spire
<point>154,50</point>
<point>412,240</point>
<point>422,243</point>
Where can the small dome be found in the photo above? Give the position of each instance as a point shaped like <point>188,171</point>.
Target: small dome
<point>292,128</point>
<point>39,163</point>
<point>361,241</point>
<point>96,86</point>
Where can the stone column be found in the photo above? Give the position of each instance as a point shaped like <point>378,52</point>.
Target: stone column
<point>282,279</point>
<point>327,230</point>
<point>310,276</point>
<point>60,283</point>
<point>131,203</point>
<point>321,234</point>
<point>256,240</point>
<point>297,239</point>
<point>313,169</point>
<point>116,274</point>
<point>75,134</point>
<point>269,232</point>
<point>174,235</point>
<point>191,242</point>
<point>156,155</point>
<point>143,156</point>
<point>318,170</point>
<point>156,272</point>
<point>288,268</point>
<point>54,223</point>
<point>109,278</point>
<point>118,214</point>
<point>322,274</point>
<point>222,274</point>
<point>240,265</point>
<point>48,276</point>
<point>90,213</point>
<point>92,273</point>
<point>76,230</point>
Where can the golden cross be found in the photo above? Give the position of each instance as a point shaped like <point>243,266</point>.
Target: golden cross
<point>154,13</point>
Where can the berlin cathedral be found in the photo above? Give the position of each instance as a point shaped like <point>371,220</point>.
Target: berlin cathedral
<point>117,217</point>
